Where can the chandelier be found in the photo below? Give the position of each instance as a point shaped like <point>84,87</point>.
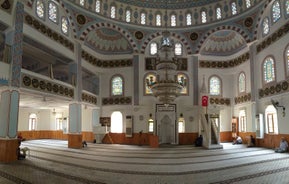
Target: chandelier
<point>167,86</point>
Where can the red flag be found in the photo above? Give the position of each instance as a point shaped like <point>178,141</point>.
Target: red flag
<point>205,101</point>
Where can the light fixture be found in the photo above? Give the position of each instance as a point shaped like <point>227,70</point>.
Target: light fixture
<point>276,105</point>
<point>167,87</point>
<point>54,112</point>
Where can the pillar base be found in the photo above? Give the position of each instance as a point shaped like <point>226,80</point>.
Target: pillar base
<point>8,149</point>
<point>75,141</point>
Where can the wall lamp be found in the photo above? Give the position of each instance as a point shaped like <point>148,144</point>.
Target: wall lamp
<point>276,105</point>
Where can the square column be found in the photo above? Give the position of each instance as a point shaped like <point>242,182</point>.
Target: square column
<point>74,135</point>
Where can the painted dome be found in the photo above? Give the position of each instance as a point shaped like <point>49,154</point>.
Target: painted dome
<point>223,43</point>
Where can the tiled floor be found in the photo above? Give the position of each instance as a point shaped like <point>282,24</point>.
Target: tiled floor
<point>52,162</point>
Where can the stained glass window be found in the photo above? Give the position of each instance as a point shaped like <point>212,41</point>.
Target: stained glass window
<point>287,7</point>
<point>173,20</point>
<point>52,12</point>
<point>150,79</point>
<point>64,25</point>
<point>143,18</point>
<point>182,79</point>
<point>117,85</point>
<point>234,8</point>
<point>269,70</point>
<point>242,82</point>
<point>97,6</point>
<point>158,20</point>
<point>204,17</point>
<point>276,11</point>
<point>248,3</point>
<point>40,9</point>
<point>219,13</point>
<point>215,86</point>
<point>189,19</point>
<point>128,16</point>
<point>266,27</point>
<point>153,48</point>
<point>178,49</point>
<point>112,12</point>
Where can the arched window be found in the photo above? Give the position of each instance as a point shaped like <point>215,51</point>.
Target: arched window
<point>248,3</point>
<point>204,16</point>
<point>265,25</point>
<point>153,48</point>
<point>143,18</point>
<point>287,60</point>
<point>128,16</point>
<point>215,85</point>
<point>287,7</point>
<point>173,20</point>
<point>150,124</point>
<point>218,13</point>
<point>269,70</point>
<point>52,12</point>
<point>242,121</point>
<point>234,8</point>
<point>183,80</point>
<point>242,82</point>
<point>181,125</point>
<point>116,86</point>
<point>32,121</point>
<point>158,20</point>
<point>276,11</point>
<point>178,49</point>
<point>112,12</point>
<point>40,9</point>
<point>150,79</point>
<point>97,6</point>
<point>116,122</point>
<point>64,25</point>
<point>81,2</point>
<point>271,120</point>
<point>189,19</point>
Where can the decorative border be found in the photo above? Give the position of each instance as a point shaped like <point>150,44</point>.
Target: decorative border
<point>45,30</point>
<point>106,63</point>
<point>225,64</point>
<point>274,89</point>
<point>220,101</point>
<point>46,86</point>
<point>243,98</point>
<point>89,98</point>
<point>117,101</point>
<point>281,32</point>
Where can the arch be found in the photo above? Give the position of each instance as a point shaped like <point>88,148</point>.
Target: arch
<point>241,31</point>
<point>174,35</point>
<point>122,31</point>
<point>259,18</point>
<point>271,120</point>
<point>116,122</point>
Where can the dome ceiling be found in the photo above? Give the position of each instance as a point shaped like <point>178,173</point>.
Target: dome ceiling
<point>223,43</point>
<point>106,40</point>
<point>170,4</point>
